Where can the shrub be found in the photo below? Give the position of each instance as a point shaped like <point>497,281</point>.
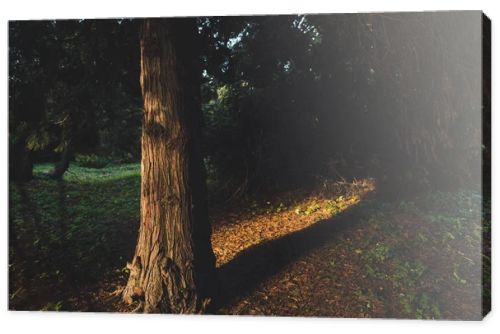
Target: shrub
<point>91,161</point>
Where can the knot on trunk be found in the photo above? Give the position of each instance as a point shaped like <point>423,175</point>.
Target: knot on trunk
<point>155,130</point>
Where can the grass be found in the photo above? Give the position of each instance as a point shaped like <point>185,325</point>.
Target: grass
<point>66,233</point>
<point>427,251</point>
<point>418,258</point>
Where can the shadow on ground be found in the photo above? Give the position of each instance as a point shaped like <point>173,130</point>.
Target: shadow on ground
<point>65,237</point>
<point>242,275</point>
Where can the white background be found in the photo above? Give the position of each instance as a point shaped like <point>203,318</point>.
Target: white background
<point>50,322</point>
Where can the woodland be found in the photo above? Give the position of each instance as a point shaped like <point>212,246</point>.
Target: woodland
<point>291,165</point>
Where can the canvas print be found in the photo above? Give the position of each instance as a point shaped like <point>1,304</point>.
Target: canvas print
<point>313,165</point>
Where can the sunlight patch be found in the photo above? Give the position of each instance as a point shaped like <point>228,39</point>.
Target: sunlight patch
<point>238,233</point>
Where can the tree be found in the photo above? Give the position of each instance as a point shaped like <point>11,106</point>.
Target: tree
<point>29,59</point>
<point>173,266</point>
<point>73,89</point>
<point>257,90</point>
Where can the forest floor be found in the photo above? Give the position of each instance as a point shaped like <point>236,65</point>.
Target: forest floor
<point>338,250</point>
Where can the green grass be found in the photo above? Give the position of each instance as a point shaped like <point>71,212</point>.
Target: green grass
<point>67,233</point>
<point>426,252</point>
<point>79,174</point>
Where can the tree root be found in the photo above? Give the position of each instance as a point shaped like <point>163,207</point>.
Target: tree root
<point>138,309</point>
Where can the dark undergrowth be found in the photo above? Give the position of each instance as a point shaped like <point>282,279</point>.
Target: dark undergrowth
<point>65,235</point>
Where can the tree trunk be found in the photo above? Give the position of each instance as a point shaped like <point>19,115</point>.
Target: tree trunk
<point>62,165</point>
<point>20,163</point>
<point>173,266</point>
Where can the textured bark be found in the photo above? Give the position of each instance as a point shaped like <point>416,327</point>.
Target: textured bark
<point>173,267</point>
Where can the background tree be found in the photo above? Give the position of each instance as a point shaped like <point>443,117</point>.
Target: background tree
<point>73,90</point>
<point>257,102</point>
<point>29,64</point>
<point>291,100</point>
<point>173,263</point>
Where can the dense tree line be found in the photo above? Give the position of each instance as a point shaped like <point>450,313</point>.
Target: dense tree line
<point>73,88</point>
<point>286,99</point>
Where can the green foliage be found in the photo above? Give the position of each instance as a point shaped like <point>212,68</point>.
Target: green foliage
<point>91,160</point>
<point>53,306</point>
<point>38,140</point>
<point>313,207</point>
<point>432,250</point>
<point>74,81</point>
<point>78,81</point>
<point>309,209</point>
<point>420,306</point>
<point>380,252</point>
<point>252,137</point>
<point>280,208</point>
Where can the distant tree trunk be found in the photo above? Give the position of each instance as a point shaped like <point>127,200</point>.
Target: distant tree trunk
<point>62,165</point>
<point>173,266</point>
<point>20,163</point>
